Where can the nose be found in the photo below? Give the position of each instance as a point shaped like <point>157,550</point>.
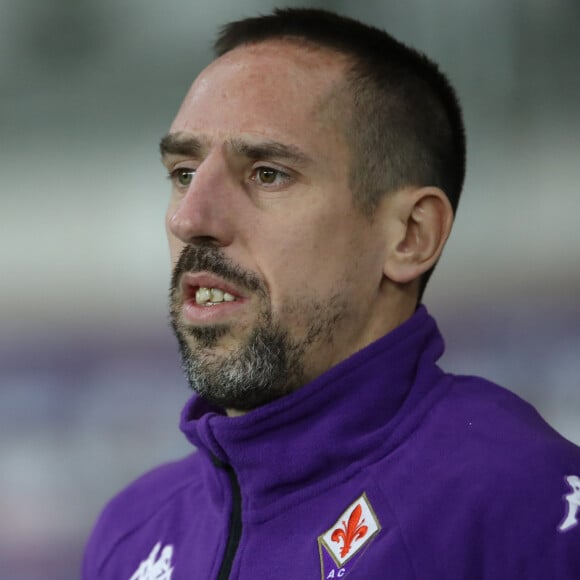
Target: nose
<point>203,213</point>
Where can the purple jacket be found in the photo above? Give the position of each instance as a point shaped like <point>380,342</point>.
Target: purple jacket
<point>383,467</point>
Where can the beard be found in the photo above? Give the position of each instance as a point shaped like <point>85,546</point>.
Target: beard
<point>265,366</point>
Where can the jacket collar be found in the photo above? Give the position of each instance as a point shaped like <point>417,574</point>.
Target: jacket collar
<point>329,428</point>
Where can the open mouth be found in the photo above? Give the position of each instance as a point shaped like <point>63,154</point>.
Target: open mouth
<point>204,293</point>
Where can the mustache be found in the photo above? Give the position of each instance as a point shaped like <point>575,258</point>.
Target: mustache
<point>209,258</point>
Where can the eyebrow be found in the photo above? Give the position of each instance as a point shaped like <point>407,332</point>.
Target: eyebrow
<point>269,150</point>
<point>176,144</point>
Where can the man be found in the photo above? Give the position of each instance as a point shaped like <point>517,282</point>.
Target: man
<point>316,165</point>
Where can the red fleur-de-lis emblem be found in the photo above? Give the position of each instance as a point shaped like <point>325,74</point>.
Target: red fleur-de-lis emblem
<point>354,530</point>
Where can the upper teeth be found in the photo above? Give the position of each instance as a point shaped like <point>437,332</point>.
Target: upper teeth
<point>212,295</point>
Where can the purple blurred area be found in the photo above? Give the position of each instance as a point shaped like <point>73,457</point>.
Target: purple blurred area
<point>78,421</point>
<point>91,388</point>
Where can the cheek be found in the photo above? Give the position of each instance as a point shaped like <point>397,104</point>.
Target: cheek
<point>303,268</point>
<point>334,257</point>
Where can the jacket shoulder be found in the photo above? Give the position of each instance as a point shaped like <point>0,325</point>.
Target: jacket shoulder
<point>498,478</point>
<point>137,503</point>
<point>490,416</point>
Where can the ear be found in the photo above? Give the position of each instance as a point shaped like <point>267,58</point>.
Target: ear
<point>423,219</point>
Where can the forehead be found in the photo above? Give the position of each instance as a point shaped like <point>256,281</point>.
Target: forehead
<point>271,88</point>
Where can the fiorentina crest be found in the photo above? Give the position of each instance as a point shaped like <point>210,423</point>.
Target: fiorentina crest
<point>342,545</point>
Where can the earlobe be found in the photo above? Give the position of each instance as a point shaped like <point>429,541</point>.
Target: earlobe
<point>425,217</point>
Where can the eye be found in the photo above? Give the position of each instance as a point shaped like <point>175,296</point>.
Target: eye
<point>182,176</point>
<point>269,176</point>
<point>266,175</point>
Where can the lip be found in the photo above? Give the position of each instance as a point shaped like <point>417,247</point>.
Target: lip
<point>194,313</point>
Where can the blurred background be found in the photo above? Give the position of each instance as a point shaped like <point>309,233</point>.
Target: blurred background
<point>90,386</point>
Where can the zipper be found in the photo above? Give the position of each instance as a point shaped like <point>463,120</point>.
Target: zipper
<point>235,525</point>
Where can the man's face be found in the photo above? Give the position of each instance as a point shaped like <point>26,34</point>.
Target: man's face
<point>277,277</point>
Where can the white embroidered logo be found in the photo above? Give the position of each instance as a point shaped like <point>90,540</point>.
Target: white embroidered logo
<point>573,500</point>
<point>153,568</point>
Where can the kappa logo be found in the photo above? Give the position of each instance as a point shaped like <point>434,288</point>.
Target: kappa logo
<point>155,568</point>
<point>341,545</point>
<point>573,499</point>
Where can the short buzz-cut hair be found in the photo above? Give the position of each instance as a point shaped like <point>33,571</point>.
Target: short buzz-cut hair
<point>404,127</point>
